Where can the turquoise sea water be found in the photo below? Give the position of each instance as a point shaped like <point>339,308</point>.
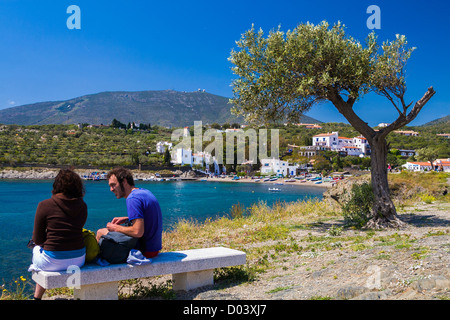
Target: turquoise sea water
<point>196,200</point>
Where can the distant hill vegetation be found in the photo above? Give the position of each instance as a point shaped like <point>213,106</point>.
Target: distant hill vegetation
<point>164,108</point>
<point>443,120</point>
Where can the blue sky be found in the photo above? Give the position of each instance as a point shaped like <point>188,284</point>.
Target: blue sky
<point>184,45</point>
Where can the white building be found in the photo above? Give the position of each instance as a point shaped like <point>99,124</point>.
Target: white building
<point>442,164</point>
<point>408,133</point>
<point>439,165</point>
<point>362,143</point>
<point>161,146</point>
<point>277,167</point>
<point>182,156</point>
<point>407,153</point>
<point>417,166</point>
<point>357,146</point>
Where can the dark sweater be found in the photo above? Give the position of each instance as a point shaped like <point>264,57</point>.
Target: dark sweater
<point>59,222</point>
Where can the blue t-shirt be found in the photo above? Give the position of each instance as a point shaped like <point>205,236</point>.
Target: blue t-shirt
<point>142,204</point>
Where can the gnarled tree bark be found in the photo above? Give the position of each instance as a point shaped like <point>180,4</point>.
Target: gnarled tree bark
<point>384,213</point>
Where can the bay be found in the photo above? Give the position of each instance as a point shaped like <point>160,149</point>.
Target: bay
<point>190,200</point>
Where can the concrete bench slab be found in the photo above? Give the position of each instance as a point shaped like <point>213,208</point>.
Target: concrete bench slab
<point>190,269</point>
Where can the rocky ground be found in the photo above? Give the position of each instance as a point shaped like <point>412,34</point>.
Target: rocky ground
<point>408,264</point>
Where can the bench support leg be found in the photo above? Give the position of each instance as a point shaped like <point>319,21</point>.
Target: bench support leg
<point>98,291</point>
<point>191,280</point>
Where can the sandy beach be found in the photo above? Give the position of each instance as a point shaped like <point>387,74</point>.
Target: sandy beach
<point>281,181</point>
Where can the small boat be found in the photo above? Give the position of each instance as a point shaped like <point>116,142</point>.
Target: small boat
<point>289,180</point>
<point>266,179</point>
<point>273,179</point>
<point>257,180</point>
<point>274,189</point>
<point>318,182</point>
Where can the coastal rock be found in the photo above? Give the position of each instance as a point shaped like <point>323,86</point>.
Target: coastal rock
<point>374,295</point>
<point>340,193</point>
<point>189,174</point>
<point>349,292</point>
<point>432,283</point>
<point>28,174</point>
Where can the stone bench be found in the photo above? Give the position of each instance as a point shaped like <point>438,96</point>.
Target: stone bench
<point>190,269</point>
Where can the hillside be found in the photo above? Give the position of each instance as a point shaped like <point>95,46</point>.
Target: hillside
<point>443,120</point>
<point>164,108</point>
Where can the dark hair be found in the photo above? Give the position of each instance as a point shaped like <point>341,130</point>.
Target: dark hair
<point>121,174</point>
<point>69,183</point>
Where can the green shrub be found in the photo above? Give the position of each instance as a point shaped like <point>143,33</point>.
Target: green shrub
<point>357,209</point>
<point>428,199</point>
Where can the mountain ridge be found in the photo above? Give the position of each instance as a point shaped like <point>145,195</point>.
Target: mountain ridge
<point>157,107</point>
<point>442,120</point>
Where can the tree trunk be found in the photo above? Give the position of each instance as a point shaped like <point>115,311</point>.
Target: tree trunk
<point>383,211</point>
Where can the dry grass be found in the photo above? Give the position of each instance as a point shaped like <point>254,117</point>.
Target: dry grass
<point>408,188</point>
<point>256,223</point>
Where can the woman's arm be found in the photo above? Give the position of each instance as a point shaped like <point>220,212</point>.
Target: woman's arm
<point>40,225</point>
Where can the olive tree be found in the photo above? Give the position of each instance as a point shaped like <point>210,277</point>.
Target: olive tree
<point>281,76</point>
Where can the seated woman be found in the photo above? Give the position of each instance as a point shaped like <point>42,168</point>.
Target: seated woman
<point>58,226</point>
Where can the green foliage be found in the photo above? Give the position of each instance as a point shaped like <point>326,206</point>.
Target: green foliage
<point>357,209</point>
<point>17,291</point>
<point>70,145</point>
<point>428,199</point>
<point>141,289</point>
<point>284,74</point>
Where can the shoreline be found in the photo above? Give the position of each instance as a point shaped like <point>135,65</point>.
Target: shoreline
<point>47,174</point>
<point>324,185</point>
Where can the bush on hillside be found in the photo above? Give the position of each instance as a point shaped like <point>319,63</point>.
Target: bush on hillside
<point>357,209</point>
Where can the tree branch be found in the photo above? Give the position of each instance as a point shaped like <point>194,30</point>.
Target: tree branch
<point>403,120</point>
<point>387,95</point>
<point>346,109</point>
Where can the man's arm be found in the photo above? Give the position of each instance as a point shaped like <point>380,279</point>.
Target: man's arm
<point>119,220</point>
<point>136,230</point>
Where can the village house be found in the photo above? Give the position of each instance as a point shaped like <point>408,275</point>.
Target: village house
<point>183,157</point>
<point>277,167</point>
<point>233,130</point>
<point>312,151</point>
<point>407,153</point>
<point>161,146</point>
<point>438,165</point>
<point>445,135</point>
<point>357,146</point>
<point>408,133</point>
<point>306,125</point>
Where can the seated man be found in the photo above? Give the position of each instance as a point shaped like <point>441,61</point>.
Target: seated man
<point>143,211</point>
